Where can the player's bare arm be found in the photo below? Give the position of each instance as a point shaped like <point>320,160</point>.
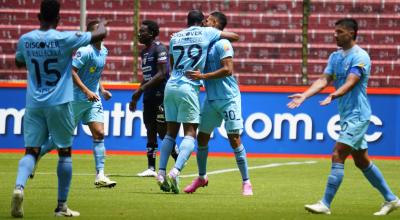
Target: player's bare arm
<point>78,82</point>
<point>100,33</point>
<point>157,79</point>
<point>351,81</point>
<point>229,36</point>
<point>317,86</point>
<point>106,93</point>
<point>224,71</point>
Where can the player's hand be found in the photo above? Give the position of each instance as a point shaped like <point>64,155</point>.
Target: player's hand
<point>326,101</point>
<point>194,75</point>
<point>132,105</point>
<point>107,95</point>
<point>93,97</point>
<point>297,99</point>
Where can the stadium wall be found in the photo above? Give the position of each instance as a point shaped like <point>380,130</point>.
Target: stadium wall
<point>269,126</point>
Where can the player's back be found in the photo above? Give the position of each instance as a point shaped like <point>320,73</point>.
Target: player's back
<point>189,50</point>
<point>48,55</point>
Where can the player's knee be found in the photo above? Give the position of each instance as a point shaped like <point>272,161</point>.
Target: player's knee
<point>234,140</point>
<point>64,152</point>
<point>98,135</point>
<point>34,151</point>
<point>361,164</point>
<point>203,138</point>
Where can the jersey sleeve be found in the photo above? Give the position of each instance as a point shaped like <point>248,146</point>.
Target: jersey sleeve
<point>161,54</point>
<point>360,61</point>
<point>80,58</point>
<point>19,55</point>
<point>329,69</point>
<point>212,34</point>
<point>224,48</point>
<point>76,39</point>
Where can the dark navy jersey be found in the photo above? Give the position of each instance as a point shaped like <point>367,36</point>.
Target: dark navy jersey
<point>155,54</point>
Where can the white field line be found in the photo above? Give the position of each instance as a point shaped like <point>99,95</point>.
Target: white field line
<point>272,165</point>
<point>252,168</point>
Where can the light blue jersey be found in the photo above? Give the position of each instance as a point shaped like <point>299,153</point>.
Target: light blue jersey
<point>355,103</point>
<point>90,63</point>
<point>222,88</point>
<point>48,55</point>
<point>189,50</point>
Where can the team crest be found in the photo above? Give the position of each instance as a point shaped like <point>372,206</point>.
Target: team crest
<point>92,69</point>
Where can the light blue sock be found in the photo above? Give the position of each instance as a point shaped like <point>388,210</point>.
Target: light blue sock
<point>166,148</point>
<point>334,181</point>
<point>25,168</point>
<point>186,149</point>
<point>99,153</point>
<point>202,155</point>
<point>47,147</point>
<point>241,161</point>
<point>375,177</point>
<point>64,174</point>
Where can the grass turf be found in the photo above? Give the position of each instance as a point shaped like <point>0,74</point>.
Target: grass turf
<point>280,192</point>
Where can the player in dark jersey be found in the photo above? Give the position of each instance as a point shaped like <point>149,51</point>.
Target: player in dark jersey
<point>155,68</point>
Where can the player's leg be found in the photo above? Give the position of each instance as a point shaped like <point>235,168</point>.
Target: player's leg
<point>61,127</point>
<point>231,111</point>
<point>167,146</point>
<point>189,116</point>
<point>162,128</point>
<point>209,120</point>
<point>35,134</point>
<point>375,177</point>
<point>149,117</point>
<point>99,153</point>
<point>340,153</point>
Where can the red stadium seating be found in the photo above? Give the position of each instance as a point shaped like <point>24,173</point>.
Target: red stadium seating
<point>269,51</point>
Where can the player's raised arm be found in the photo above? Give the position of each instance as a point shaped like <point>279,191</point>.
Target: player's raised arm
<point>231,36</point>
<point>100,33</point>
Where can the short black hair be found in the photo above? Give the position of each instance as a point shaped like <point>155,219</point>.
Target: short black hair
<point>152,26</point>
<point>49,10</point>
<point>349,23</point>
<point>195,17</point>
<point>221,17</point>
<point>91,24</point>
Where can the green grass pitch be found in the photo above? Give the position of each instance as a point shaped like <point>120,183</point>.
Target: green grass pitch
<point>280,191</point>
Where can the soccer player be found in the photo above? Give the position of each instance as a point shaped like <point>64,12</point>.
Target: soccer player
<point>87,67</point>
<point>223,102</point>
<point>188,50</point>
<point>155,68</point>
<point>349,69</point>
<point>47,55</point>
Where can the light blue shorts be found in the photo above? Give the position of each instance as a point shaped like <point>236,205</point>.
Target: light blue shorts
<point>214,111</point>
<point>181,103</point>
<point>86,112</point>
<point>353,133</point>
<point>56,121</point>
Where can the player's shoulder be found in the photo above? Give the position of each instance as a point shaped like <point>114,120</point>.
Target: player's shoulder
<point>358,51</point>
<point>223,42</point>
<point>84,51</point>
<point>159,46</point>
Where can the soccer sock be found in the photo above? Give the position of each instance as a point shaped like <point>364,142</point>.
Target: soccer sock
<point>64,174</point>
<point>375,177</point>
<point>202,155</point>
<point>166,148</point>
<point>241,160</point>
<point>334,181</point>
<point>25,168</point>
<point>186,149</point>
<point>47,147</point>
<point>175,153</point>
<point>151,155</point>
<point>99,153</point>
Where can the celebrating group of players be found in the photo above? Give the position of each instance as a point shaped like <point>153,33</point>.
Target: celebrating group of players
<point>63,90</point>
